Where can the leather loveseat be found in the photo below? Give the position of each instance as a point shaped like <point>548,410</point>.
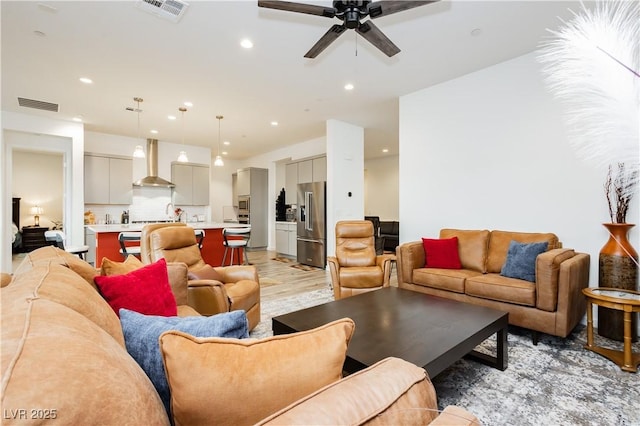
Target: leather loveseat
<point>64,361</point>
<point>553,304</point>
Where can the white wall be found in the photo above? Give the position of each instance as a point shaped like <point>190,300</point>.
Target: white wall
<point>489,150</point>
<point>38,179</point>
<point>381,187</point>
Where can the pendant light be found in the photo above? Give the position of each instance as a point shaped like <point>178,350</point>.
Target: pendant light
<point>139,151</point>
<point>218,162</point>
<point>182,158</point>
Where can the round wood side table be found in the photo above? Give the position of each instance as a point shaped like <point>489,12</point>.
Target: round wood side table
<point>627,301</point>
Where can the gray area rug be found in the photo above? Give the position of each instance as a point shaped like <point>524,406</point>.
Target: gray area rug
<point>557,382</point>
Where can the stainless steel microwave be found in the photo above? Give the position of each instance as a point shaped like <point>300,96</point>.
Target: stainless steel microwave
<point>243,203</point>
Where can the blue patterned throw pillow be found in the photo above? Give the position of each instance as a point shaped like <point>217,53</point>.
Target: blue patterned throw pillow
<point>521,260</point>
<point>142,334</point>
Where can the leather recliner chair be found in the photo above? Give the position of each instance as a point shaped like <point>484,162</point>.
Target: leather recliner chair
<point>235,287</point>
<point>356,268</point>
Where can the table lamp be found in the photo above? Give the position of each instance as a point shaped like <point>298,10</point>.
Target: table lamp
<point>36,211</point>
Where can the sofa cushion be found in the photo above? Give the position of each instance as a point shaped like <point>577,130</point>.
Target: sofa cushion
<point>499,245</point>
<point>521,260</point>
<point>207,272</point>
<point>385,390</point>
<point>503,289</point>
<point>142,334</point>
<point>111,267</point>
<point>472,247</point>
<point>231,381</point>
<point>361,277</point>
<point>58,284</point>
<point>441,253</point>
<point>54,358</point>
<point>445,279</point>
<point>51,254</point>
<point>145,290</point>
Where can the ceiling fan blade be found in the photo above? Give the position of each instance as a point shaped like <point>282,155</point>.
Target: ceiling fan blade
<point>288,6</point>
<point>384,8</point>
<point>328,38</point>
<point>373,35</point>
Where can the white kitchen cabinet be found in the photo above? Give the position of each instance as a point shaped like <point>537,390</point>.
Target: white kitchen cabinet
<point>320,169</point>
<point>191,184</point>
<point>291,183</point>
<point>107,180</point>
<point>286,233</point>
<point>243,183</point>
<point>305,171</point>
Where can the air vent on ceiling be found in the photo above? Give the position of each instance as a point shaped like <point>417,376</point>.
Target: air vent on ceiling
<point>31,103</point>
<point>167,9</point>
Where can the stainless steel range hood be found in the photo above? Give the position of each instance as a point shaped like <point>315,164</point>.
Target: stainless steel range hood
<point>152,178</point>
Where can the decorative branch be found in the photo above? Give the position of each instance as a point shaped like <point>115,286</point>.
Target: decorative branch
<point>619,192</point>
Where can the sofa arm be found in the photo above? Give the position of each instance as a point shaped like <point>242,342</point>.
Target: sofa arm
<point>5,279</point>
<point>232,274</point>
<point>409,256</point>
<point>371,396</point>
<point>572,305</point>
<point>547,276</point>
<point>208,297</point>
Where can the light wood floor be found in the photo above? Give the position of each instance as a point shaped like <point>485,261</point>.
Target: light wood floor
<point>291,281</point>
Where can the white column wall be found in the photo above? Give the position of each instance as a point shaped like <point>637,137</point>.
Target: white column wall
<point>345,176</point>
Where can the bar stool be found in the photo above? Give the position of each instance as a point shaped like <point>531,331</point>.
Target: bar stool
<point>199,236</point>
<point>240,241</point>
<point>126,238</point>
<point>59,238</point>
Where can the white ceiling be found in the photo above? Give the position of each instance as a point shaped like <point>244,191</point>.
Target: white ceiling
<point>129,52</point>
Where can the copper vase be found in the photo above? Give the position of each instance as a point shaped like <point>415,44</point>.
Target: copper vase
<point>617,269</point>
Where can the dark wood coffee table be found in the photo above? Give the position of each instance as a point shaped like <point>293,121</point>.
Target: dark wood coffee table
<point>428,331</point>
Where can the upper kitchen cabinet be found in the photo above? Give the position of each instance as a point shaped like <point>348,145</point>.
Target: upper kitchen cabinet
<point>313,170</point>
<point>243,182</point>
<point>191,184</point>
<point>320,169</point>
<point>291,183</point>
<point>107,180</point>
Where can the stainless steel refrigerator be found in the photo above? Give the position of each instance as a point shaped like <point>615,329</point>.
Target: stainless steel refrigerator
<point>312,213</point>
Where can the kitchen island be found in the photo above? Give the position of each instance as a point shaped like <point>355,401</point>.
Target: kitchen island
<point>103,241</point>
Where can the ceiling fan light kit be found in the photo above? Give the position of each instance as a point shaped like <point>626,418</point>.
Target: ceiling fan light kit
<point>351,13</point>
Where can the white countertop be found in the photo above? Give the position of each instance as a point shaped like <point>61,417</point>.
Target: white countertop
<point>118,227</point>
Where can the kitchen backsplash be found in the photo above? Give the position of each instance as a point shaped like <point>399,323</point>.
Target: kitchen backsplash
<point>149,204</point>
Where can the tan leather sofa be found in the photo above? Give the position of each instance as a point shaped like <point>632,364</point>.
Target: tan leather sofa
<point>553,304</point>
<point>212,290</point>
<point>64,361</point>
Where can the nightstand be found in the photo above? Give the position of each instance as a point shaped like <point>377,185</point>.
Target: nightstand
<point>33,237</point>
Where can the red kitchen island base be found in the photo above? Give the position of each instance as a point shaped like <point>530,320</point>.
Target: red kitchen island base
<point>106,243</point>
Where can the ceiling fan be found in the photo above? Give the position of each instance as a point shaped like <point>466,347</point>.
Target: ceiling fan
<point>351,13</point>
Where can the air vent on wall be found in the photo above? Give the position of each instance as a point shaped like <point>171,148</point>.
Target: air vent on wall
<point>171,10</point>
<point>31,103</point>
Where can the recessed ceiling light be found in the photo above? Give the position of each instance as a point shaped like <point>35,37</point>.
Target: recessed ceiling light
<point>224,152</point>
<point>348,86</point>
<point>171,117</point>
<point>476,32</point>
<point>86,80</point>
<point>47,8</point>
<point>77,119</point>
<point>246,43</point>
<point>188,104</point>
<point>154,131</point>
<point>274,123</point>
<point>385,150</point>
<point>226,143</point>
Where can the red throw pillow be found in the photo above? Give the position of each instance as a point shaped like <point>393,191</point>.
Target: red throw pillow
<point>145,290</point>
<point>442,253</point>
